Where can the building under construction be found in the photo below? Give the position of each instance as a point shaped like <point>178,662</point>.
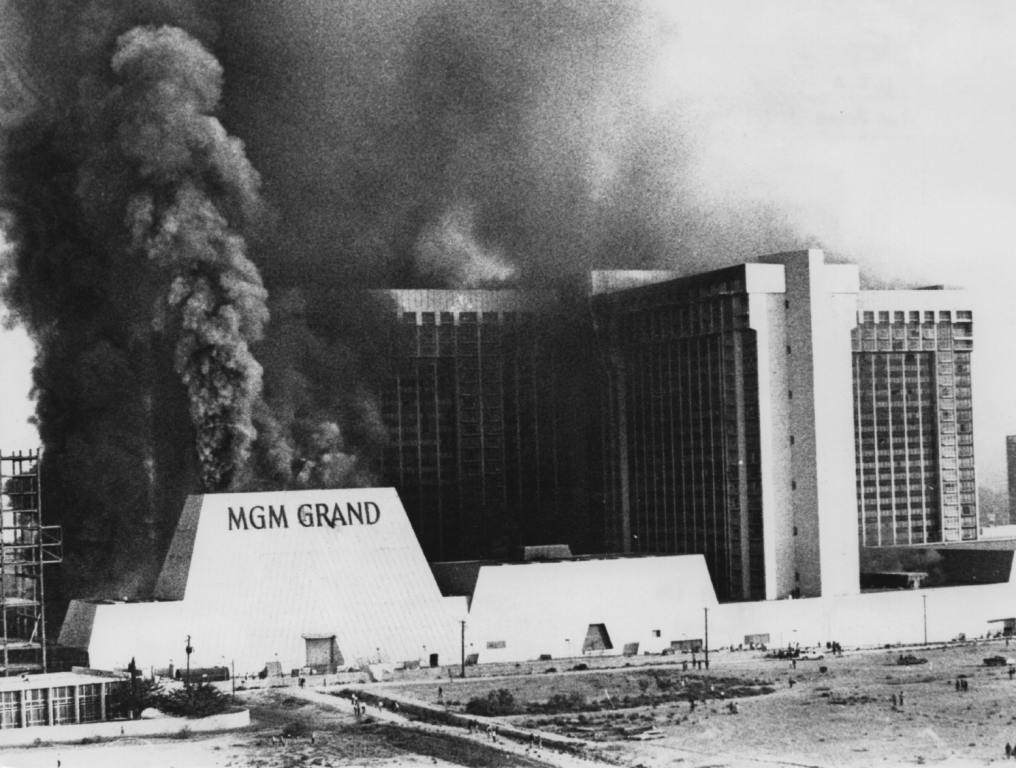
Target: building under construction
<point>26,546</point>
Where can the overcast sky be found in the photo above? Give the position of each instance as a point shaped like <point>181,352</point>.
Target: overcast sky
<point>886,130</point>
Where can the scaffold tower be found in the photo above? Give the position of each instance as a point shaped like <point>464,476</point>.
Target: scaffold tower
<point>26,546</point>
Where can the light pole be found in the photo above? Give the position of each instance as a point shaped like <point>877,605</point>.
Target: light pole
<point>705,648</point>
<point>462,649</point>
<point>189,649</point>
<point>924,601</point>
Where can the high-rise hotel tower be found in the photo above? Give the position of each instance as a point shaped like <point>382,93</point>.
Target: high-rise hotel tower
<point>913,418</point>
<point>480,446</point>
<point>773,417</point>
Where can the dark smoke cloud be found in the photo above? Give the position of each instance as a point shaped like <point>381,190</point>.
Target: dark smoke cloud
<point>442,143</point>
<point>523,132</point>
<point>195,191</point>
<point>129,270</point>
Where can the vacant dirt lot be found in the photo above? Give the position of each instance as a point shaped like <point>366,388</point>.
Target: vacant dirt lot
<point>844,716</point>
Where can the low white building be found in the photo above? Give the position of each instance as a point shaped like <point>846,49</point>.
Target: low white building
<point>595,606</point>
<point>326,579</point>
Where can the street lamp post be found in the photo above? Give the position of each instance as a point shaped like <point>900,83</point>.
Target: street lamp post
<point>189,649</point>
<point>462,649</point>
<point>705,648</point>
<point>924,601</point>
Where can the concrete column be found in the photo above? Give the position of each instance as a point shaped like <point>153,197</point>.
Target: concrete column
<point>21,705</point>
<point>77,704</point>
<point>102,701</point>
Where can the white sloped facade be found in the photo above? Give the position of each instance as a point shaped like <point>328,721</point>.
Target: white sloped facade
<point>527,610</point>
<point>250,576</point>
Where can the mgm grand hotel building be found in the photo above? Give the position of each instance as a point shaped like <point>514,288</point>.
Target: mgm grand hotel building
<point>771,416</point>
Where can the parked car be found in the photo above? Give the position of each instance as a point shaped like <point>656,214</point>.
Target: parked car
<point>812,656</point>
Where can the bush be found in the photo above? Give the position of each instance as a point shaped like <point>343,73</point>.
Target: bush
<point>127,702</point>
<point>197,701</point>
<point>294,730</point>
<point>499,702</point>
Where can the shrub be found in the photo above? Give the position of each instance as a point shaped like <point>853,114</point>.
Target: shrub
<point>197,701</point>
<point>127,702</point>
<point>294,730</point>
<point>499,702</point>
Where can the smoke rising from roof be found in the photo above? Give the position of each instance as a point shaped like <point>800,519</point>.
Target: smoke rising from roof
<point>435,144</point>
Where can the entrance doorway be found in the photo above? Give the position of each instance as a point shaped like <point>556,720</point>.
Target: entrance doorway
<point>597,639</point>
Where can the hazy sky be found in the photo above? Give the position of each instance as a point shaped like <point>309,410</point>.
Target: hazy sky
<point>887,130</point>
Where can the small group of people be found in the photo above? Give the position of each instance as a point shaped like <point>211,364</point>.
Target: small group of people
<point>360,707</point>
<point>897,700</point>
<point>962,684</point>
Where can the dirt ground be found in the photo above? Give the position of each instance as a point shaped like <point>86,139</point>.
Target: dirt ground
<point>844,716</point>
<point>328,735</point>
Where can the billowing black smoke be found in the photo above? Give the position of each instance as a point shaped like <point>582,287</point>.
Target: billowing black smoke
<point>434,144</point>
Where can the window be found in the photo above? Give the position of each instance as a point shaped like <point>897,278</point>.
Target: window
<point>36,709</point>
<point>10,709</point>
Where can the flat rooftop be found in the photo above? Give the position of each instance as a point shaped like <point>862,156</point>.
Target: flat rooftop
<point>53,680</point>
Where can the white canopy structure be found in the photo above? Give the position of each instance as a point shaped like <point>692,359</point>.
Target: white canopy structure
<point>595,606</point>
<point>329,579</point>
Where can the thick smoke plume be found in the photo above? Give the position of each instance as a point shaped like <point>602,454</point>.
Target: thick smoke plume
<point>196,191</point>
<point>437,144</point>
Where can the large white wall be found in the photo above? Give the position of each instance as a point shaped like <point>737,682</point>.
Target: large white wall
<point>251,590</point>
<point>814,379</point>
<point>526,610</point>
<point>767,317</point>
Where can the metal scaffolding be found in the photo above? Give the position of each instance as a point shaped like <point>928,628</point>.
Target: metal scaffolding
<point>26,545</point>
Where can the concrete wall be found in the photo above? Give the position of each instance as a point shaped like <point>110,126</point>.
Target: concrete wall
<point>820,310</point>
<point>162,726</point>
<point>768,319</point>
<point>870,619</point>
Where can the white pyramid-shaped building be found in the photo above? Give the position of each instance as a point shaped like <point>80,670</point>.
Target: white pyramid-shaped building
<point>329,579</point>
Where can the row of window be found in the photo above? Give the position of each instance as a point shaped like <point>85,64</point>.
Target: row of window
<point>35,703</point>
<point>914,316</point>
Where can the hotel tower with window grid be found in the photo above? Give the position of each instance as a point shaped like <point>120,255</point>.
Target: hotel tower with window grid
<point>477,442</point>
<point>913,418</point>
<point>774,417</point>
